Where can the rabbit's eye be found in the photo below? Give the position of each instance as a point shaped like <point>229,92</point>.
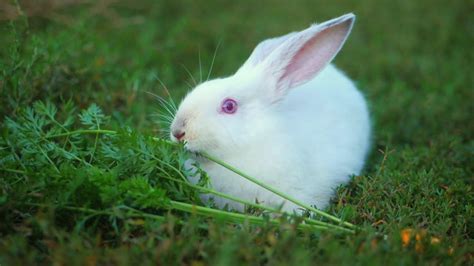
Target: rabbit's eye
<point>229,106</point>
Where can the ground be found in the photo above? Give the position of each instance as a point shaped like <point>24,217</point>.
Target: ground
<point>413,61</point>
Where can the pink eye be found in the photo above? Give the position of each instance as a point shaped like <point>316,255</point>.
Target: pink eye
<point>229,106</point>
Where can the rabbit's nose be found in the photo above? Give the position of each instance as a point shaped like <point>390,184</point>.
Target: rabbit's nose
<point>178,134</point>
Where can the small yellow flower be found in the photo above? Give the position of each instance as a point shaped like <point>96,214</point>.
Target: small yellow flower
<point>435,240</point>
<point>450,251</point>
<point>408,233</point>
<point>406,236</point>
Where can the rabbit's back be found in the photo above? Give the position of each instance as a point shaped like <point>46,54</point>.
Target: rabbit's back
<point>329,122</point>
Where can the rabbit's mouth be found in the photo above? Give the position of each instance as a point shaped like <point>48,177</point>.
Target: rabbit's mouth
<point>192,147</point>
<point>189,147</point>
<point>198,145</point>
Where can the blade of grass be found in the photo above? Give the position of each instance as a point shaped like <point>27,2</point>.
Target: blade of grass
<point>236,217</point>
<point>223,195</point>
<point>13,171</point>
<point>82,131</point>
<point>277,192</point>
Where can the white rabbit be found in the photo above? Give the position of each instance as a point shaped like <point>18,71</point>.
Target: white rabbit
<point>286,117</point>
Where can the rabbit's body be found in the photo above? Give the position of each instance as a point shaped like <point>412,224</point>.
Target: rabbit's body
<point>324,157</point>
<point>276,120</point>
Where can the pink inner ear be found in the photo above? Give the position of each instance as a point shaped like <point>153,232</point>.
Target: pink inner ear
<point>315,54</point>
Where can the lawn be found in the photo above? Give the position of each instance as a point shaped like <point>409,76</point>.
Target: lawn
<point>80,198</point>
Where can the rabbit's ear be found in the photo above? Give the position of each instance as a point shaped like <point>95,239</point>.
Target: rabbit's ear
<point>300,57</point>
<point>264,48</point>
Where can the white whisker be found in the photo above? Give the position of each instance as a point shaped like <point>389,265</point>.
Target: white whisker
<point>164,87</point>
<point>200,65</point>
<point>168,105</point>
<point>165,118</point>
<point>189,73</point>
<point>213,59</point>
<point>189,85</point>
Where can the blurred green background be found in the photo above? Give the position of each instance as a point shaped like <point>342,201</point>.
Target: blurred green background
<point>413,60</point>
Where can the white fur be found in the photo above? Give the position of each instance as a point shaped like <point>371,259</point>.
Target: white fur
<point>301,126</point>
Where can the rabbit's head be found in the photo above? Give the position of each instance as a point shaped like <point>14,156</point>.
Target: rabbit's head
<point>227,114</point>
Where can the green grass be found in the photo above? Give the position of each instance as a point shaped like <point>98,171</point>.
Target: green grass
<point>412,59</point>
